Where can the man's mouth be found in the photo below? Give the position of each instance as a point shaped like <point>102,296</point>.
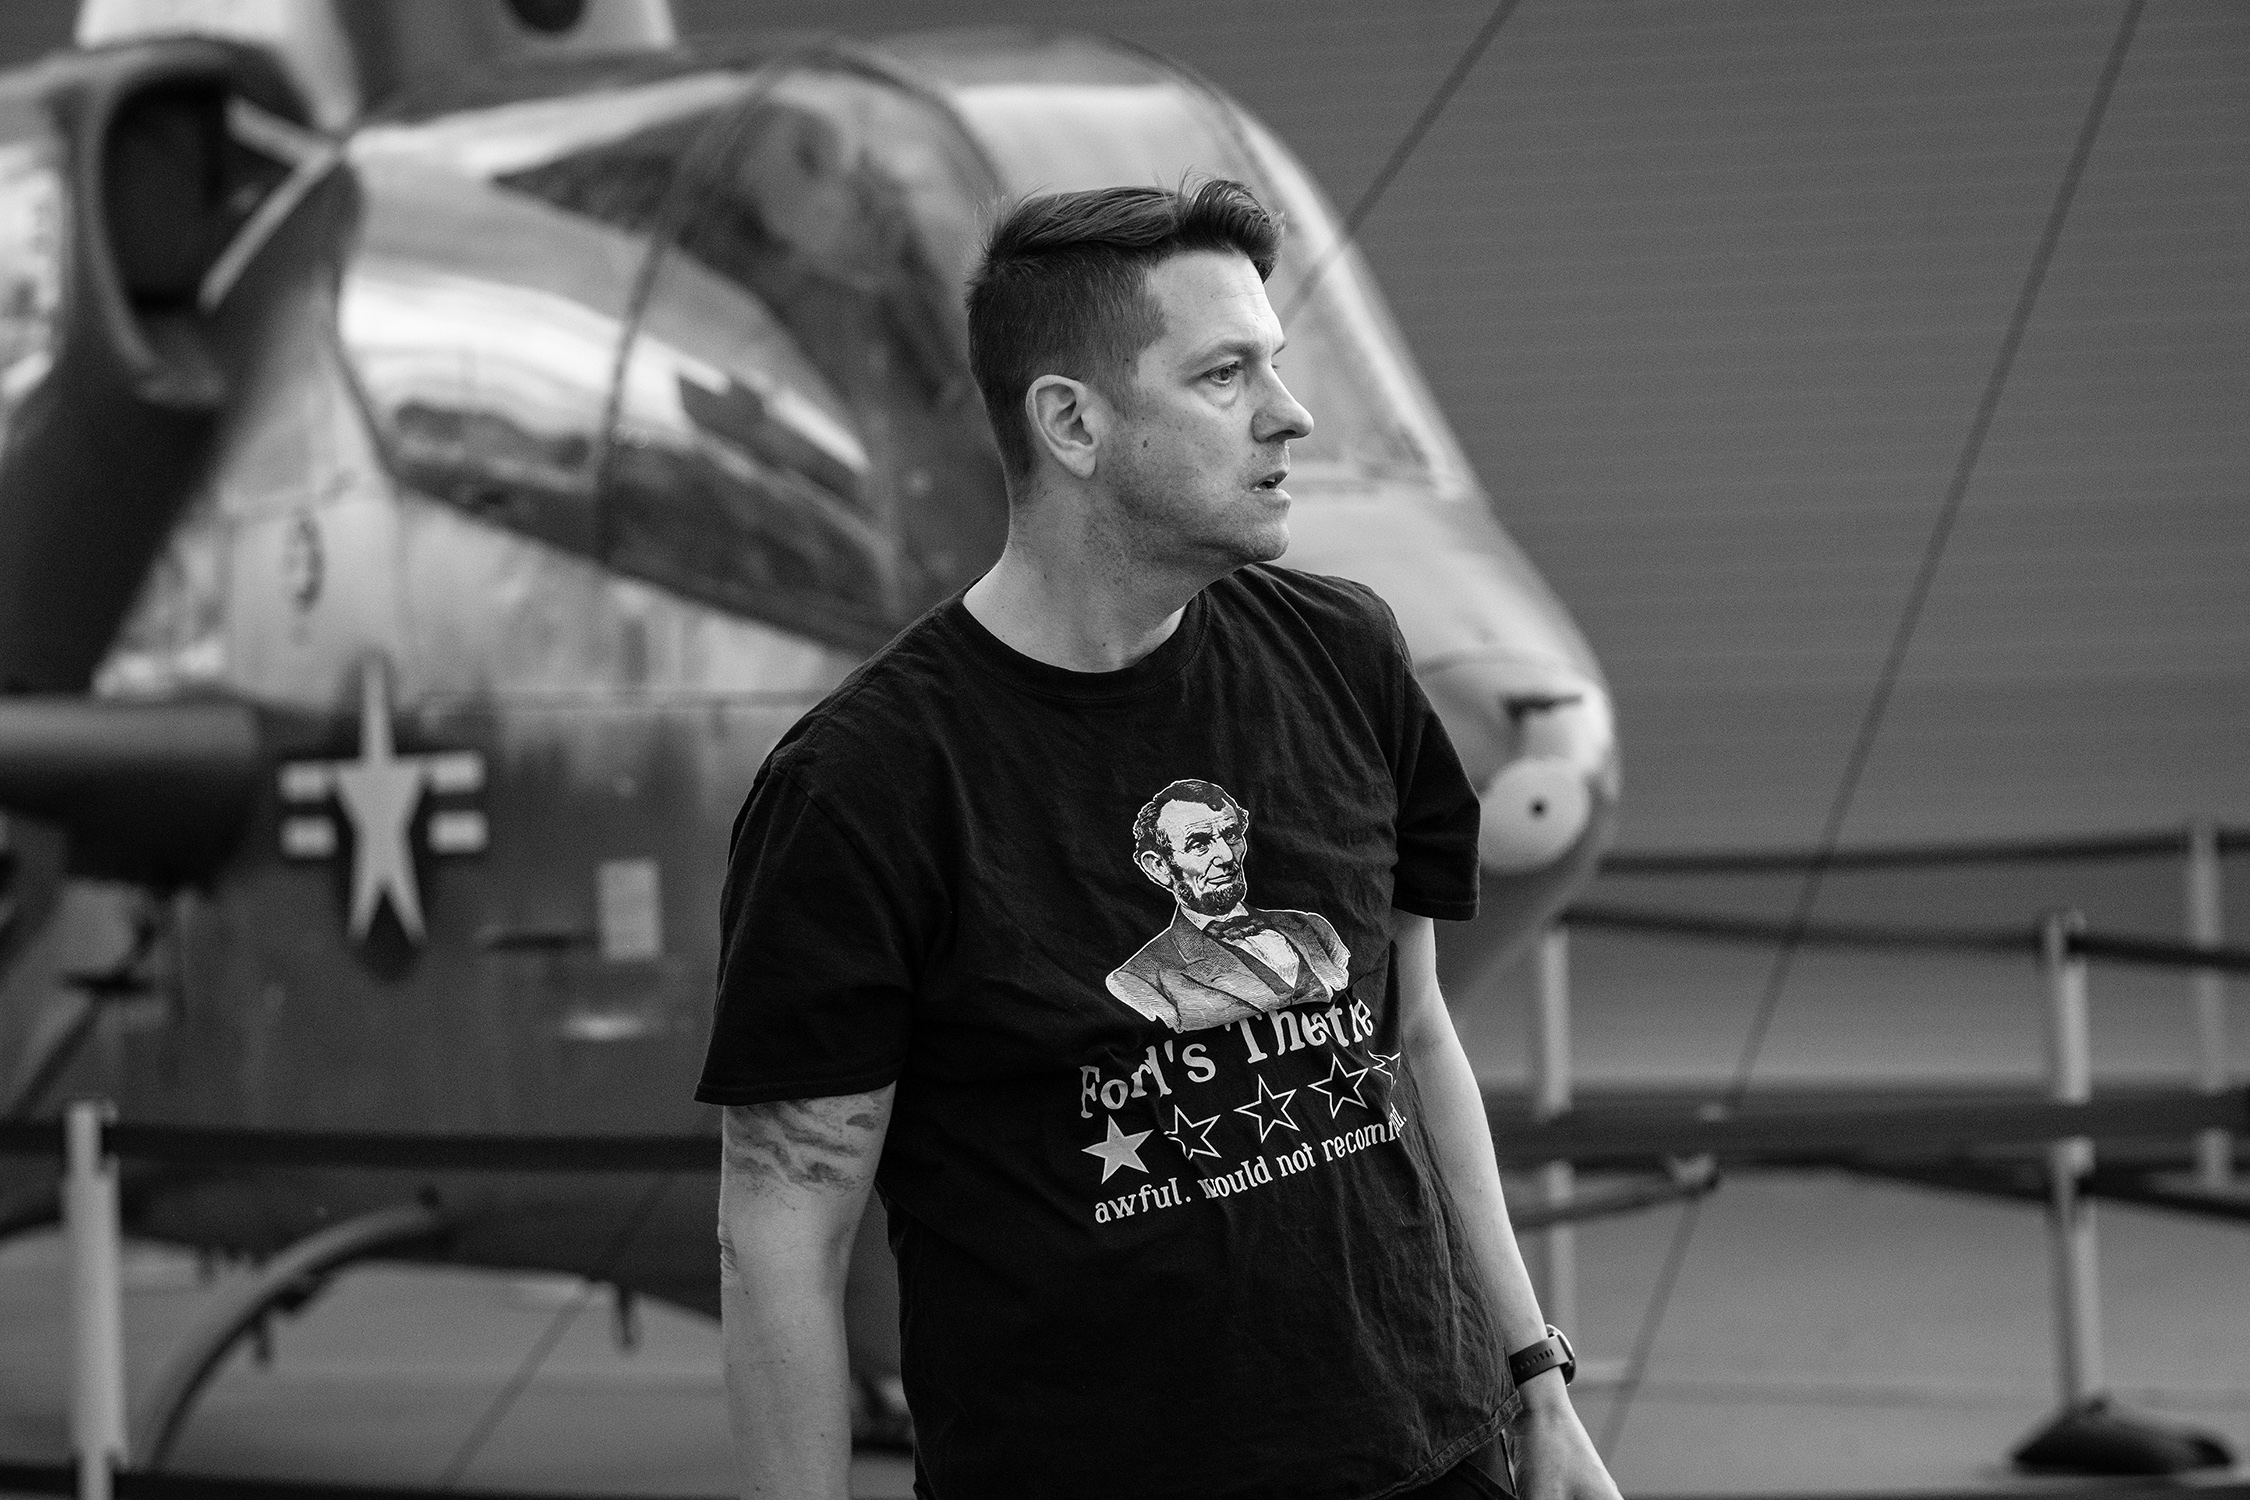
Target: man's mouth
<point>1272,481</point>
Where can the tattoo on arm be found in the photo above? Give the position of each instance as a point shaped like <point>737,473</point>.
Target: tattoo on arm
<point>818,1145</point>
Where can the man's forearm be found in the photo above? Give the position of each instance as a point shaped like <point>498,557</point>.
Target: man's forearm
<point>1453,1109</point>
<point>788,1378</point>
<point>793,1179</point>
<point>1555,1460</point>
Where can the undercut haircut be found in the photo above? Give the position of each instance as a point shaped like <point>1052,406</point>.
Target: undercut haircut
<point>1149,839</point>
<point>1063,288</point>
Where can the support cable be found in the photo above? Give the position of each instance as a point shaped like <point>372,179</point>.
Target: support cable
<point>1408,144</point>
<point>1879,701</point>
<point>556,1327</point>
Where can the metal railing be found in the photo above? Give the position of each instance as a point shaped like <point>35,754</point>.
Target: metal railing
<point>2063,947</point>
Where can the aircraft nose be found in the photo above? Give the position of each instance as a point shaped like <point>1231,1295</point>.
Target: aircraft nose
<point>1533,811</point>
<point>1536,737</point>
<point>1515,683</point>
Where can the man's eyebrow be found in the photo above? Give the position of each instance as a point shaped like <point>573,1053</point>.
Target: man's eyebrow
<point>1237,345</point>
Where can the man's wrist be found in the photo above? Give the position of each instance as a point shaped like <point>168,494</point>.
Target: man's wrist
<point>1544,1392</point>
<point>1552,1352</point>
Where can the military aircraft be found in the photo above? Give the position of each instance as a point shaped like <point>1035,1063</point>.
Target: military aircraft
<point>441,449</point>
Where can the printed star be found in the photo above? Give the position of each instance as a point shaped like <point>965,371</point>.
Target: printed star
<point>1382,1062</point>
<point>1279,1103</point>
<point>380,793</point>
<point>1341,1086</point>
<point>1120,1149</point>
<point>1200,1143</point>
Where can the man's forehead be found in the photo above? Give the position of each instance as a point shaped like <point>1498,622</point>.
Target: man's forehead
<point>1211,300</point>
<point>1179,819</point>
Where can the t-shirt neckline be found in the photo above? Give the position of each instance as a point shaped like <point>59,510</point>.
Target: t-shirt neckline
<point>1153,670</point>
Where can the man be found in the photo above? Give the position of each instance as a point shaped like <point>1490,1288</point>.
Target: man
<point>1221,960</point>
<point>1264,1259</point>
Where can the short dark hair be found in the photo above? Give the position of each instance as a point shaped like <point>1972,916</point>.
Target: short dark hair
<point>1149,839</point>
<point>1063,286</point>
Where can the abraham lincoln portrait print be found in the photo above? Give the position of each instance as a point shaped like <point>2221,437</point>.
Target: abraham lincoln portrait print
<point>1221,960</point>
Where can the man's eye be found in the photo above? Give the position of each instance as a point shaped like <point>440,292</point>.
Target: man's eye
<point>1224,375</point>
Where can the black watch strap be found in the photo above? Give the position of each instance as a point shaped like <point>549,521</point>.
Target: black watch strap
<point>1551,1352</point>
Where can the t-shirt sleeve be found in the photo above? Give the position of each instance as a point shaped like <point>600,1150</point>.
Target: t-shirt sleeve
<point>816,958</point>
<point>1436,875</point>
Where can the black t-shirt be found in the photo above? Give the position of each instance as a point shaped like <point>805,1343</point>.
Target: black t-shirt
<point>1166,1217</point>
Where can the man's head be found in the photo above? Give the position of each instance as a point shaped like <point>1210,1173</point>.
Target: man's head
<point>1125,347</point>
<point>1192,839</point>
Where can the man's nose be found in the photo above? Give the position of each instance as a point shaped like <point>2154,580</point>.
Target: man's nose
<point>1281,417</point>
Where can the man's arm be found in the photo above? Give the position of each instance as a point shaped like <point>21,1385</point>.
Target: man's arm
<point>1555,1459</point>
<point>792,1182</point>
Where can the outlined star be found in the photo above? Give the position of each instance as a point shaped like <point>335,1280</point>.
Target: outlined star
<point>1341,1086</point>
<point>1279,1103</point>
<point>1119,1149</point>
<point>1197,1144</point>
<point>1381,1063</point>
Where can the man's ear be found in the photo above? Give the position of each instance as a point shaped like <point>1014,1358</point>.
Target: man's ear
<point>1153,866</point>
<point>1067,418</point>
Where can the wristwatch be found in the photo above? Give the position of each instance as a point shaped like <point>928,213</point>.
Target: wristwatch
<point>1536,1359</point>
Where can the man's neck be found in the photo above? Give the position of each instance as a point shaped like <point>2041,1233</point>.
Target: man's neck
<point>1072,603</point>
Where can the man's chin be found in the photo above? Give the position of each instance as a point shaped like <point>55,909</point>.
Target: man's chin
<point>1264,545</point>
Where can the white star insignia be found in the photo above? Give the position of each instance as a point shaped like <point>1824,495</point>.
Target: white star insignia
<point>380,793</point>
<point>381,796</point>
<point>1119,1149</point>
<point>1197,1144</point>
<point>1279,1102</point>
<point>1341,1086</point>
<point>1382,1061</point>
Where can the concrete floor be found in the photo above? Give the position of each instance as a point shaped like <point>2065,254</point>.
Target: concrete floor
<point>1827,1336</point>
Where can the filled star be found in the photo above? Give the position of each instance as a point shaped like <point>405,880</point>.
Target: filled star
<point>1341,1086</point>
<point>1269,1109</point>
<point>380,793</point>
<point>1192,1136</point>
<point>1119,1150</point>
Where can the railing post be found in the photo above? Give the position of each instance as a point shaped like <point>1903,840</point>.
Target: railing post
<point>2077,1290</point>
<point>1550,1096</point>
<point>97,1408</point>
<point>2214,1149</point>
